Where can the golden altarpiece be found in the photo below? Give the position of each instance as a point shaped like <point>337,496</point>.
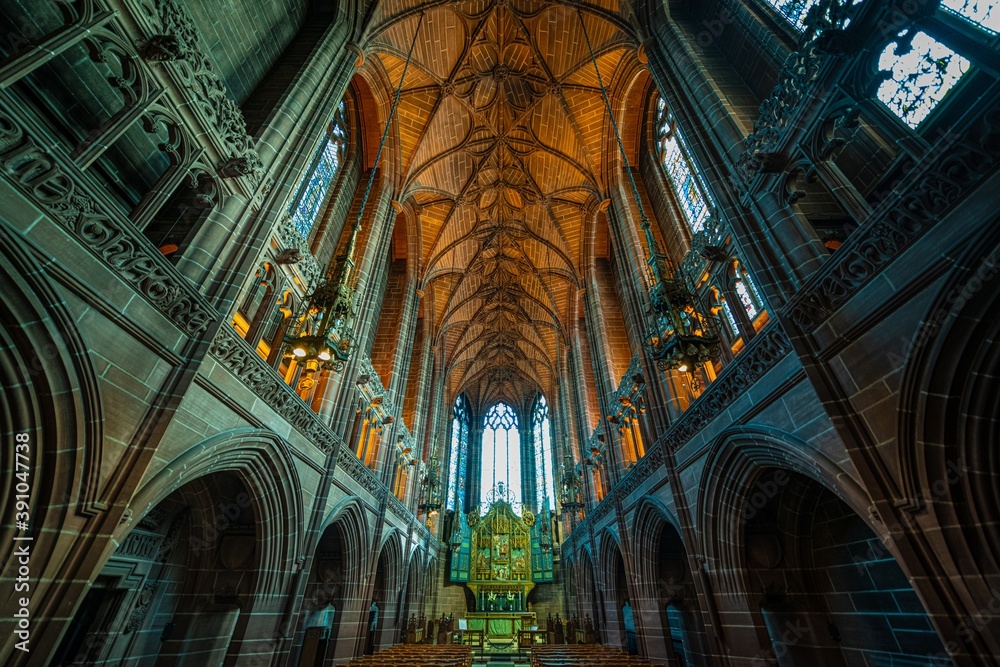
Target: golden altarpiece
<point>500,558</point>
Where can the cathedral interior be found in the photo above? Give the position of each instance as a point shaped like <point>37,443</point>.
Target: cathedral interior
<point>655,330</point>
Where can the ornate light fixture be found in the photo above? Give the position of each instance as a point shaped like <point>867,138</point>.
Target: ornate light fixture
<point>570,501</point>
<point>430,483</point>
<point>545,531</point>
<point>329,344</point>
<point>683,333</point>
<point>333,303</point>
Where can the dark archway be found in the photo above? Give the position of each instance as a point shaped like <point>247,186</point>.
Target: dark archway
<point>824,586</point>
<point>183,580</point>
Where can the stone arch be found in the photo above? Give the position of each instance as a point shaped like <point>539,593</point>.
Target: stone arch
<point>49,391</point>
<point>191,572</point>
<point>386,590</point>
<point>822,583</point>
<point>336,585</point>
<point>586,586</point>
<point>349,518</point>
<point>391,548</point>
<point>733,465</point>
<point>672,626</point>
<point>947,436</point>
<point>262,461</point>
<point>413,591</point>
<point>768,510</point>
<point>650,519</point>
<point>613,590</point>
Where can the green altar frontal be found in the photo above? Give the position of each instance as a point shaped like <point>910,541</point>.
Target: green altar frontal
<point>499,625</point>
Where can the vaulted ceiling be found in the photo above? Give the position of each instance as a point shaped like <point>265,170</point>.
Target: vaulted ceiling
<point>502,128</point>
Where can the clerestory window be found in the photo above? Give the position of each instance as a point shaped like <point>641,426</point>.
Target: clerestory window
<point>313,187</point>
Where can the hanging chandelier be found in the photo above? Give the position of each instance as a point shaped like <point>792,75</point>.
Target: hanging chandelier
<point>571,485</point>
<point>430,483</point>
<point>330,307</point>
<point>683,333</point>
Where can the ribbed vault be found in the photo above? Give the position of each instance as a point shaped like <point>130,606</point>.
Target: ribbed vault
<point>501,132</point>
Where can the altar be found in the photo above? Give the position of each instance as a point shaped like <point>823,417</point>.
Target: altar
<point>500,556</point>
<point>499,625</point>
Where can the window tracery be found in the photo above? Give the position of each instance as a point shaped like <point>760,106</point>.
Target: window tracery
<point>730,318</point>
<point>542,432</point>
<point>459,457</point>
<point>985,15</point>
<point>748,296</point>
<point>793,11</point>
<point>692,196</point>
<point>311,191</point>
<point>920,72</point>
<point>501,461</point>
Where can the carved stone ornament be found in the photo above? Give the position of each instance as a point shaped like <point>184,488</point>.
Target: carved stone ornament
<point>289,256</point>
<point>210,95</point>
<point>235,355</point>
<point>796,78</point>
<point>289,238</point>
<point>108,235</point>
<point>900,220</point>
<point>163,48</point>
<point>141,610</point>
<point>236,167</point>
<point>360,473</point>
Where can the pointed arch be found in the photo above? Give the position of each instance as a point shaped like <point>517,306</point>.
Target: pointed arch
<point>263,462</point>
<point>735,461</point>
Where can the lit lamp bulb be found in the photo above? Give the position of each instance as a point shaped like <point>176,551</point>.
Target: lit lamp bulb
<point>324,354</point>
<point>299,351</point>
<point>683,368</point>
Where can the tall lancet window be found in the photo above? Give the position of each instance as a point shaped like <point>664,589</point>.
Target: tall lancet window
<point>459,459</point>
<point>542,436</point>
<point>311,191</point>
<point>501,452</point>
<point>692,196</point>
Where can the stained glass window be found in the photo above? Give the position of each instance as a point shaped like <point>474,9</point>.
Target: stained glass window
<point>674,155</point>
<point>794,11</point>
<point>542,432</point>
<point>501,452</point>
<point>458,461</point>
<point>746,299</point>
<point>984,14</point>
<point>919,78</point>
<point>311,191</point>
<point>730,318</point>
<point>747,292</point>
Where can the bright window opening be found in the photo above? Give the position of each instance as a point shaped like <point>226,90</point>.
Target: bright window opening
<point>542,432</point>
<point>674,156</point>
<point>459,458</point>
<point>312,189</point>
<point>501,452</point>
<point>920,78</point>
